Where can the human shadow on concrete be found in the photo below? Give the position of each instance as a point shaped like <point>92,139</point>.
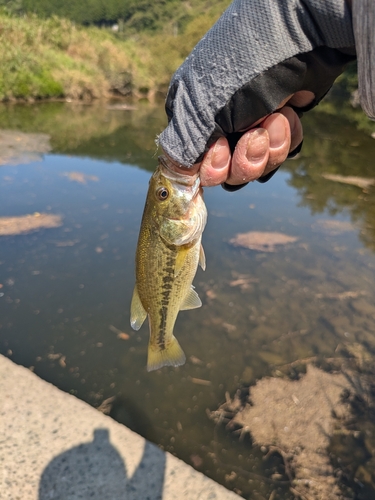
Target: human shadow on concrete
<point>96,471</point>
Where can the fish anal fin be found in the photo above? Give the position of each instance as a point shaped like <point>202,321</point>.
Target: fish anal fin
<point>171,355</point>
<point>137,311</point>
<point>191,301</point>
<point>202,258</point>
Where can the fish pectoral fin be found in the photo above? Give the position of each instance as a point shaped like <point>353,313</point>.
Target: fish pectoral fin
<point>202,258</point>
<point>137,311</point>
<point>191,301</point>
<point>171,355</point>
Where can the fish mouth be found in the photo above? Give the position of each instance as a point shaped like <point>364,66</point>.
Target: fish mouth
<point>187,183</point>
<point>173,175</point>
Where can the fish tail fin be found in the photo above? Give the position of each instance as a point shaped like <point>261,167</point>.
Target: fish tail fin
<point>171,355</point>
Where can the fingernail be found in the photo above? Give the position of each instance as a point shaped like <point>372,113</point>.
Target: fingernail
<point>277,134</point>
<point>257,145</point>
<point>220,155</point>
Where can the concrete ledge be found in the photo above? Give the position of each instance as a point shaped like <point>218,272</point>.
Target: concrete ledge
<point>54,446</point>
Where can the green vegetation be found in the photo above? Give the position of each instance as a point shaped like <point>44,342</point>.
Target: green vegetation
<point>54,57</point>
<point>133,16</point>
<point>46,56</point>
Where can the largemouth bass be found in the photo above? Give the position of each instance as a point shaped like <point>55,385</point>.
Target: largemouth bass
<point>168,252</point>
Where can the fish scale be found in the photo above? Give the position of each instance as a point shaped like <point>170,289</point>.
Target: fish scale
<point>168,252</point>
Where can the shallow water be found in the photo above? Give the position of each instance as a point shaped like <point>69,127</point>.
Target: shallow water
<point>65,292</point>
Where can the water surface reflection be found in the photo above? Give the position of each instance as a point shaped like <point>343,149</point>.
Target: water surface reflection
<point>65,291</point>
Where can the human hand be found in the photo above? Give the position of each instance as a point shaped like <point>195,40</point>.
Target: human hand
<point>258,152</point>
<point>253,70</point>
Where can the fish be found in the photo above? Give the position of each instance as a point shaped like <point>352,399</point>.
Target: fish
<point>168,252</point>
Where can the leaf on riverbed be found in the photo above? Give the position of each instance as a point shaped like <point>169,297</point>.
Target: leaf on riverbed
<point>196,460</point>
<point>361,182</point>
<point>120,335</point>
<point>80,177</point>
<point>106,405</point>
<point>229,327</point>
<point>27,223</point>
<point>262,241</point>
<point>243,281</point>
<point>195,360</point>
<point>200,381</point>
<point>349,294</point>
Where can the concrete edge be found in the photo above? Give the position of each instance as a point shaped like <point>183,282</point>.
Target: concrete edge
<point>55,446</point>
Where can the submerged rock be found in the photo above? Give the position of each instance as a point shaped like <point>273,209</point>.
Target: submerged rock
<point>296,419</point>
<point>80,177</point>
<point>27,223</point>
<point>361,182</point>
<point>262,241</point>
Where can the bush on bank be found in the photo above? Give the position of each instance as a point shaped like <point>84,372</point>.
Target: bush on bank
<point>54,57</point>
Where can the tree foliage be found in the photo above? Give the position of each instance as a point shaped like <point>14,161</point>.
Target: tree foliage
<point>134,15</point>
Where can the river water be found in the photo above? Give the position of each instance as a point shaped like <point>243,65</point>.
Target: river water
<point>65,291</point>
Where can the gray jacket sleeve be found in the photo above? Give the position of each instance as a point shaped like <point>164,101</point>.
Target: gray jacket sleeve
<point>257,54</point>
<point>364,31</point>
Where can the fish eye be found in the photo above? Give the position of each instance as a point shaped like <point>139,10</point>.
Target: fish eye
<point>162,193</point>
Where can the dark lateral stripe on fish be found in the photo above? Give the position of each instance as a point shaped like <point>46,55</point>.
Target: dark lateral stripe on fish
<point>163,321</point>
<point>168,279</point>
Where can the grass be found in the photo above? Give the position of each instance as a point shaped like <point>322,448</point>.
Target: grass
<point>56,58</point>
<point>52,58</point>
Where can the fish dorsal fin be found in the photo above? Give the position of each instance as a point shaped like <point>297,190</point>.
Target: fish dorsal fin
<point>191,301</point>
<point>202,258</point>
<point>137,311</point>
